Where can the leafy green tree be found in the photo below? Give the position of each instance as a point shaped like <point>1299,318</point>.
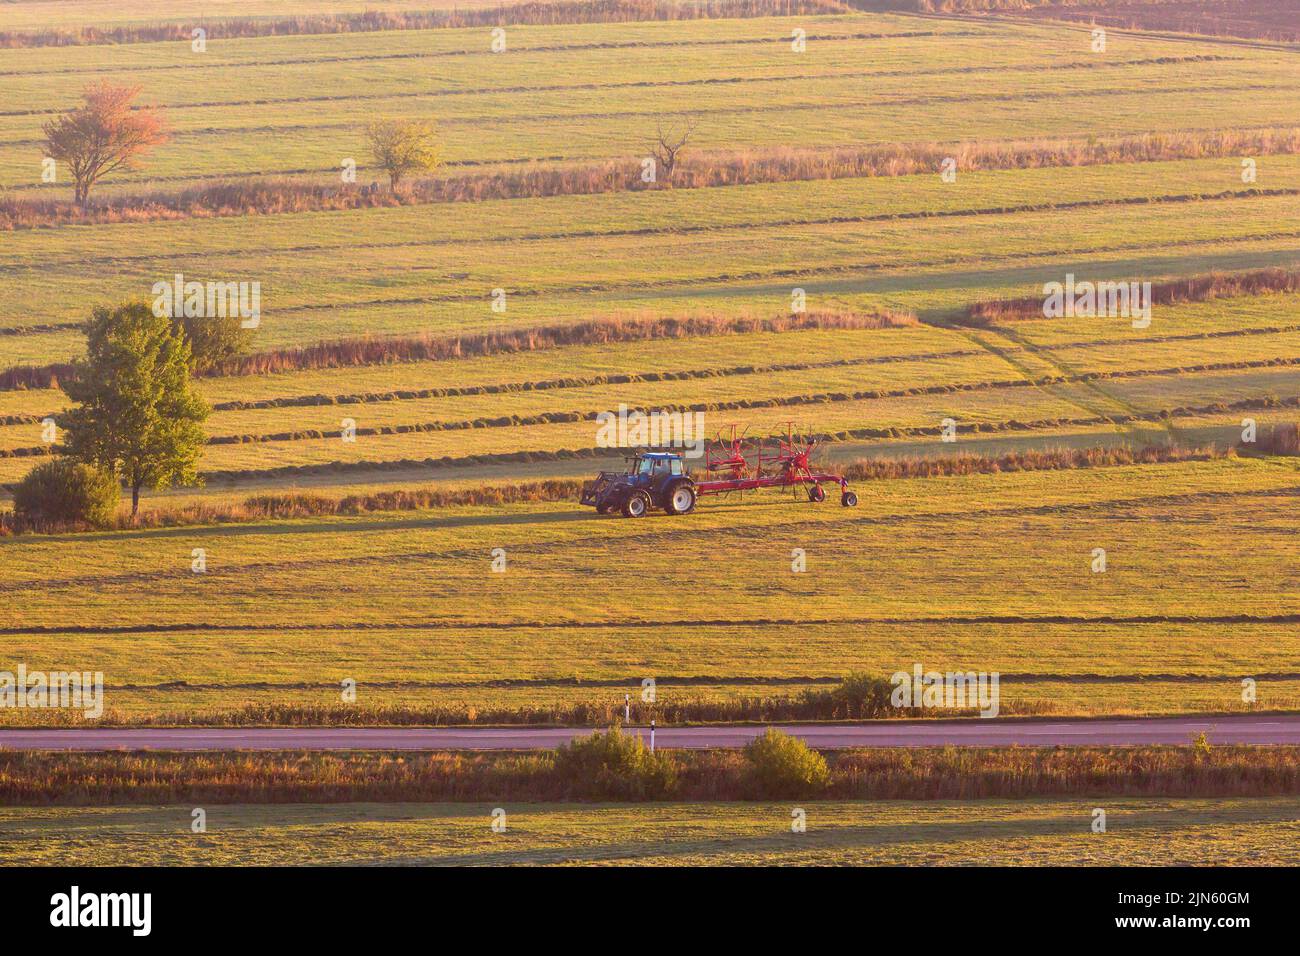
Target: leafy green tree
<point>214,340</point>
<point>404,146</point>
<point>862,696</point>
<point>137,416</point>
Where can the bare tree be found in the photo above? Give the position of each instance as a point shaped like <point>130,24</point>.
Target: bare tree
<point>670,139</point>
<point>104,134</point>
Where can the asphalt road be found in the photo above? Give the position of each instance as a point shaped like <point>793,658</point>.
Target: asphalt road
<point>1237,729</point>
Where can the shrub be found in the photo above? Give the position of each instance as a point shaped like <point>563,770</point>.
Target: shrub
<point>862,696</point>
<point>785,766</point>
<point>614,766</point>
<point>64,491</point>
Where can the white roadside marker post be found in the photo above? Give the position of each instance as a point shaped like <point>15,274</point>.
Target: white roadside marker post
<point>652,736</point>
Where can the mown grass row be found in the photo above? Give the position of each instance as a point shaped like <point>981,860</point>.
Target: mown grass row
<point>320,399</point>
<point>34,779</point>
<point>1164,415</point>
<point>559,417</point>
<point>792,401</point>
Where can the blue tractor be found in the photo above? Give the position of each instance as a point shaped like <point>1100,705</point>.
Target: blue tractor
<point>654,479</point>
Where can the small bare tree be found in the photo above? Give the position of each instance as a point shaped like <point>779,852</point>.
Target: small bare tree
<point>670,139</point>
<point>404,146</point>
<point>104,134</point>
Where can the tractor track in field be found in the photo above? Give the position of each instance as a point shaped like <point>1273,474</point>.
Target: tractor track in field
<point>595,541</point>
<point>1132,413</point>
<point>201,63</point>
<point>1049,385</point>
<point>990,339</point>
<point>730,110</point>
<point>46,265</point>
<point>657,84</point>
<point>440,624</point>
<point>1049,356</point>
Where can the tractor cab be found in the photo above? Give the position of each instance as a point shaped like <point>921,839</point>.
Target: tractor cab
<point>652,465</point>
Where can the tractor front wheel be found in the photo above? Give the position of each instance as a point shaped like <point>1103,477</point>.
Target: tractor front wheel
<point>636,505</point>
<point>816,493</point>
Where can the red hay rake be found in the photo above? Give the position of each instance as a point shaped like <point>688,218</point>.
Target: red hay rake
<point>788,467</point>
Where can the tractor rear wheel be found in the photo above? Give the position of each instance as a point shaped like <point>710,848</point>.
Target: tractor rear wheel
<point>680,499</point>
<point>636,505</point>
<point>816,493</point>
<point>849,499</point>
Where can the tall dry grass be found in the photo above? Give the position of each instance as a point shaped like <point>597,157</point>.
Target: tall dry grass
<point>541,14</point>
<point>388,350</point>
<point>1196,288</point>
<point>952,773</point>
<point>1059,459</point>
<point>618,328</point>
<point>1281,439</point>
<point>696,170</point>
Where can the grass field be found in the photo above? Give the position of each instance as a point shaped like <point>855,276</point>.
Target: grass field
<point>1199,593</point>
<point>989,572</point>
<point>993,832</point>
<point>1161,157</point>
